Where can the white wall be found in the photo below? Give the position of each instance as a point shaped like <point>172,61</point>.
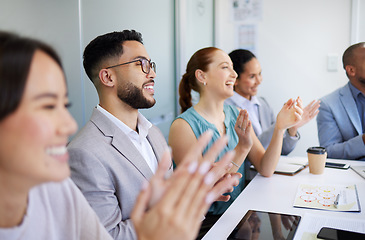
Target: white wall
<point>358,21</point>
<point>55,22</point>
<point>155,20</point>
<point>294,38</point>
<point>58,23</point>
<point>194,30</point>
<point>293,41</point>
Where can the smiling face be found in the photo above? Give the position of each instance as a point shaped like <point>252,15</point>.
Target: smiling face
<point>135,87</point>
<point>249,80</point>
<point>220,76</point>
<point>34,137</point>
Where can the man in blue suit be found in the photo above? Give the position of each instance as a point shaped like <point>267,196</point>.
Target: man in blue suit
<point>341,119</point>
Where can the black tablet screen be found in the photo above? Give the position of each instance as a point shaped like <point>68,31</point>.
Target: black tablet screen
<point>266,226</point>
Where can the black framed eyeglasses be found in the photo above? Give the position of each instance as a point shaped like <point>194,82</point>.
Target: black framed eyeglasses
<point>146,65</point>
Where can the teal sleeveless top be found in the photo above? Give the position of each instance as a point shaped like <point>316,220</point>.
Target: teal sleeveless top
<point>199,125</point>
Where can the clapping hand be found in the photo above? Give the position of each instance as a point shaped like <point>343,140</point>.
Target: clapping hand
<point>309,112</point>
<point>243,130</point>
<point>186,196</point>
<point>290,114</point>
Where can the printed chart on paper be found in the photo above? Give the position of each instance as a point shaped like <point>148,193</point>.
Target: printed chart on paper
<point>324,197</point>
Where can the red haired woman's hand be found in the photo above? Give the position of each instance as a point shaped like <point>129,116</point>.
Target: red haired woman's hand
<point>243,130</point>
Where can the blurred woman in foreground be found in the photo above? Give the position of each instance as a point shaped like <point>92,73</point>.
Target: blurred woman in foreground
<point>38,199</point>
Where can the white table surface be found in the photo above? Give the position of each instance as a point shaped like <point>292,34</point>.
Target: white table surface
<point>277,194</point>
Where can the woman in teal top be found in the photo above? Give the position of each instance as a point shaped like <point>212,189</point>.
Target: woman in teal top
<point>210,73</point>
<point>199,125</point>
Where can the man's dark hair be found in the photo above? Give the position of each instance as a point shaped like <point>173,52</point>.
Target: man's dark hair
<point>239,58</point>
<point>104,47</point>
<point>348,55</point>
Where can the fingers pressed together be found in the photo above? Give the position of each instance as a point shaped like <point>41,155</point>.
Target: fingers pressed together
<point>188,193</point>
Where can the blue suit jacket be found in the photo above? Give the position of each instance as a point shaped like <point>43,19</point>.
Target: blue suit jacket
<point>339,125</point>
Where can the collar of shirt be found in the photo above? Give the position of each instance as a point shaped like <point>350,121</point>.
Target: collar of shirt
<point>143,125</point>
<point>242,102</point>
<point>255,100</point>
<point>360,103</point>
<point>139,139</point>
<point>252,107</point>
<point>356,92</point>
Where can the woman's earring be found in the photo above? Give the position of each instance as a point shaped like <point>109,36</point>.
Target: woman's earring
<point>205,84</point>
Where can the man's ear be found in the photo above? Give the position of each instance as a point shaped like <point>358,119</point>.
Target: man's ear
<point>106,77</point>
<point>350,70</point>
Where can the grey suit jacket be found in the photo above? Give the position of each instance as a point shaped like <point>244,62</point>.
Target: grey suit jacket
<point>267,121</point>
<point>110,171</point>
<point>339,125</point>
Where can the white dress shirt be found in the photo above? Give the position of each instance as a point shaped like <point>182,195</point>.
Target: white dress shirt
<point>252,107</point>
<point>139,139</point>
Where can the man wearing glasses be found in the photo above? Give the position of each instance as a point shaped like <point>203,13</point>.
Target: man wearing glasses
<point>118,148</point>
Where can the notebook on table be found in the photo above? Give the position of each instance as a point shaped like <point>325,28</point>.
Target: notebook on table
<point>290,165</point>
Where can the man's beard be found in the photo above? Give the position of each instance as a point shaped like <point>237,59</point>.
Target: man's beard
<point>361,80</point>
<point>133,96</point>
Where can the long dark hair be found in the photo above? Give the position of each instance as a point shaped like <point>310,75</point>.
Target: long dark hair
<point>16,54</point>
<point>200,60</point>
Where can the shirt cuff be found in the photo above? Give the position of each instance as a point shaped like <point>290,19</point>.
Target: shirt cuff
<point>296,137</point>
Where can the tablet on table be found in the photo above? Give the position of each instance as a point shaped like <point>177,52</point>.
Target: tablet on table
<point>265,225</point>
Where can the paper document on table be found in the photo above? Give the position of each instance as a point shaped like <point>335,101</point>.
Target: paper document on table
<point>325,197</point>
<point>311,224</point>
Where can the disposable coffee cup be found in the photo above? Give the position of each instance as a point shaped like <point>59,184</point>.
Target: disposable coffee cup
<point>316,159</point>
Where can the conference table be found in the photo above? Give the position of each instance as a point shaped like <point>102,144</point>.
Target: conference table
<point>277,194</point>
